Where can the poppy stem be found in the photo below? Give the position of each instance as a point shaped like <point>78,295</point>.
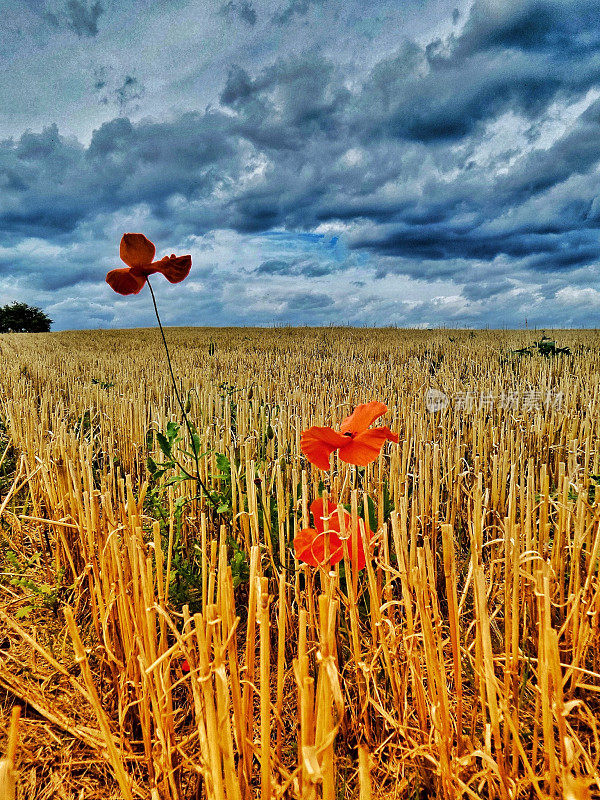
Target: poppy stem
<point>178,396</point>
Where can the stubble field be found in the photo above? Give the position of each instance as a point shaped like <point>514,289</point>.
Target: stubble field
<point>165,645</point>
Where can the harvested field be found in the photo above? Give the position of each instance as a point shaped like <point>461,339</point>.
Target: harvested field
<point>462,661</point>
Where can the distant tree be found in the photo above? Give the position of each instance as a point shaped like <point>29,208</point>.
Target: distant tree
<point>21,318</point>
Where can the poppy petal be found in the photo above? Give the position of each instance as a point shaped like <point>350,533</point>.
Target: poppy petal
<point>363,415</point>
<point>309,543</point>
<point>365,447</point>
<point>309,546</point>
<point>317,444</point>
<point>124,281</point>
<point>136,250</point>
<point>174,268</point>
<point>331,525</point>
<point>303,546</point>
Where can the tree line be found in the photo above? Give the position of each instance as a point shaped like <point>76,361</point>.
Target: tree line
<point>21,318</point>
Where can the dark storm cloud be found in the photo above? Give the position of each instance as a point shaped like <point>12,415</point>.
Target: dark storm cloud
<point>298,115</point>
<point>540,251</point>
<point>517,55</point>
<point>313,269</point>
<point>289,103</point>
<point>307,268</point>
<point>440,159</point>
<point>484,289</point>
<point>563,28</point>
<point>50,183</point>
<point>274,267</point>
<point>308,300</point>
<point>37,266</point>
<point>78,16</point>
<point>443,93</point>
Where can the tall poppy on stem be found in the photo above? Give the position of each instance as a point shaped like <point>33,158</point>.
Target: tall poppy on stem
<point>356,443</point>
<point>309,543</point>
<point>137,252</point>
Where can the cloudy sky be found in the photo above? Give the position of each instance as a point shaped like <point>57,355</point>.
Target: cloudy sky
<point>414,162</point>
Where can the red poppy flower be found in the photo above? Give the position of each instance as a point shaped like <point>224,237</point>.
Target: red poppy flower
<point>355,443</point>
<point>309,544</point>
<point>137,252</point>
<point>185,666</point>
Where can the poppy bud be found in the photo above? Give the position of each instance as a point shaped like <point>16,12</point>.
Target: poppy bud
<point>251,393</point>
<point>188,406</point>
<point>270,432</point>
